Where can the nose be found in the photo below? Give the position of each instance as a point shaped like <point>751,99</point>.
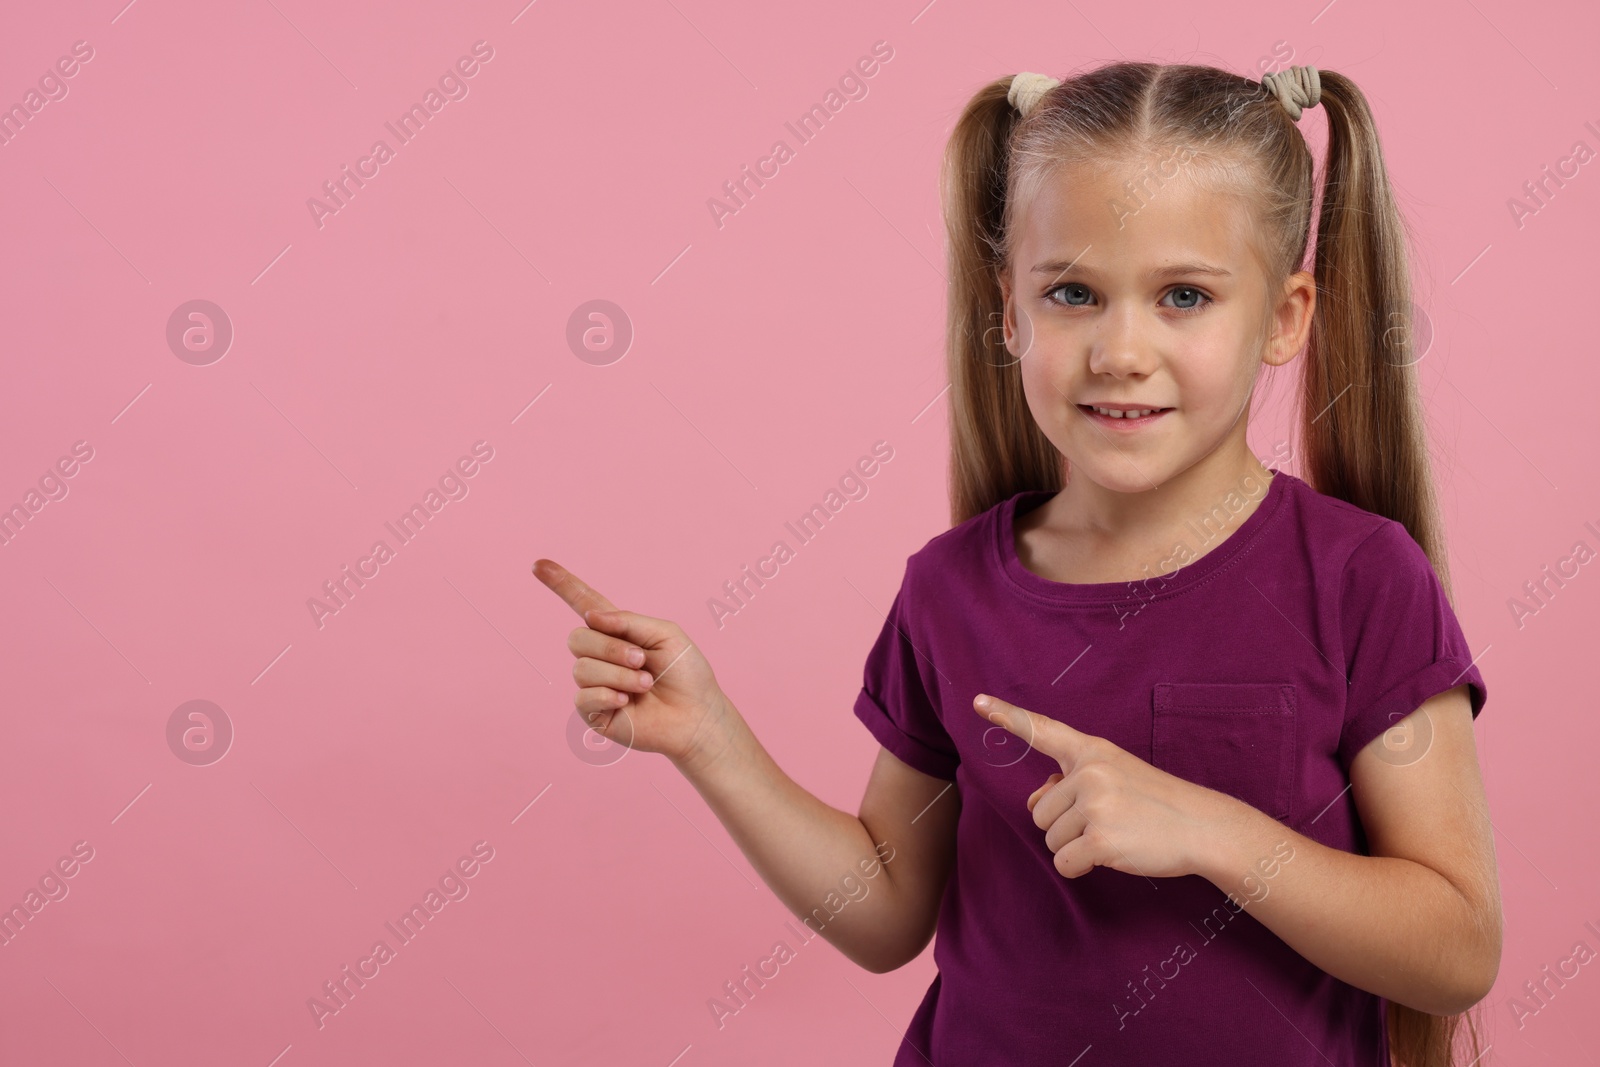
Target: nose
<point>1120,349</point>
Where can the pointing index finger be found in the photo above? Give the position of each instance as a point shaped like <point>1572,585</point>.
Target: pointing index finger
<point>1050,736</point>
<point>569,587</point>
<point>1003,714</point>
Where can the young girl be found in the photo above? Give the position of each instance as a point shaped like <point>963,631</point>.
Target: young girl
<point>1209,725</point>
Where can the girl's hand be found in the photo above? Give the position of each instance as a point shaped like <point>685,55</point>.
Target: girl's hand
<point>1109,808</point>
<point>642,683</point>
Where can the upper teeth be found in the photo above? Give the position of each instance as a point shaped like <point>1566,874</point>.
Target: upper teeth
<point>1129,414</point>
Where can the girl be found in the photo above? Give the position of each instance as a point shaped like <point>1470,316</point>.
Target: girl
<point>1209,725</point>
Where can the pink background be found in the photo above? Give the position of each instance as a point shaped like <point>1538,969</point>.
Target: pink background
<point>768,355</point>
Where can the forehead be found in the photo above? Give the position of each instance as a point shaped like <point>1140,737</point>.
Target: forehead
<point>1125,217</point>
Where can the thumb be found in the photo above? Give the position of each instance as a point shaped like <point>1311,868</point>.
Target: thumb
<point>646,632</point>
<point>1051,736</point>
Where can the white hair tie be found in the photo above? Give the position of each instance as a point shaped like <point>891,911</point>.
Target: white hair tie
<point>1028,89</point>
<point>1295,88</point>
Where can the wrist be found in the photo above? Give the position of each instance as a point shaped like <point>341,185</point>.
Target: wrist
<point>1227,826</point>
<point>716,736</point>
<point>1251,850</point>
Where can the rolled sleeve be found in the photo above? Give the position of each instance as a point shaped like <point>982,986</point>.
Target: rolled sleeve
<point>1403,640</point>
<point>894,703</point>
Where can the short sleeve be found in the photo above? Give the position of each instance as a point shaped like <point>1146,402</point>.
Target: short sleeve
<point>1402,639</point>
<point>894,702</point>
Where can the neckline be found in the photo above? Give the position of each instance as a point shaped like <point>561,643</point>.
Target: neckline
<point>1156,587</point>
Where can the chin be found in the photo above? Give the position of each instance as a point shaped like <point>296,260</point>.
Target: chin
<point>1118,475</point>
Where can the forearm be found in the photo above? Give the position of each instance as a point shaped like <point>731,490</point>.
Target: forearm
<point>821,862</point>
<point>1390,926</point>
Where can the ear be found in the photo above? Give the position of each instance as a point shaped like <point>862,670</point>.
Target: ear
<point>1003,331</point>
<point>1017,341</point>
<point>1291,319</point>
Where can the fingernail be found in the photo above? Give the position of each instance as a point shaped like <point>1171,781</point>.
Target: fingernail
<point>982,701</point>
<point>644,678</point>
<point>636,657</point>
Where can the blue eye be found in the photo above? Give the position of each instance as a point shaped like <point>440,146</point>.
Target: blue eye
<point>1077,289</point>
<point>1070,285</point>
<point>1189,289</point>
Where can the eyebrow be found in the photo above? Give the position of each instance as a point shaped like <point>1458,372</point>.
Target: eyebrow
<point>1176,270</point>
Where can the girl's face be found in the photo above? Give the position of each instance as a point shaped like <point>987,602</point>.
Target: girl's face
<point>1133,304</point>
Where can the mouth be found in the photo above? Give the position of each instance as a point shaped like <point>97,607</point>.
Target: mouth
<point>1123,418</point>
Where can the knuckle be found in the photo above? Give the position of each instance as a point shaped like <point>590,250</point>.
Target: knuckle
<point>593,701</point>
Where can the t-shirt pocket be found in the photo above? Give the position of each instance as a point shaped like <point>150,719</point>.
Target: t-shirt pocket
<point>1236,738</point>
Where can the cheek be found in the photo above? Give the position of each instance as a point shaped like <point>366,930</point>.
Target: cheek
<point>1042,387</point>
<point>1212,380</point>
<point>1031,387</point>
<point>1045,405</point>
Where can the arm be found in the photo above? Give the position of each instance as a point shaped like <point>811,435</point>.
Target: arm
<point>1418,922</point>
<point>803,848</point>
<point>872,883</point>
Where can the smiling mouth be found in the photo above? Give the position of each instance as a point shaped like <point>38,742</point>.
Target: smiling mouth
<point>1131,414</point>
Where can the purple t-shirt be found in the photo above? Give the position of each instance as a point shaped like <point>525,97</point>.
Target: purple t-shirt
<point>1259,668</point>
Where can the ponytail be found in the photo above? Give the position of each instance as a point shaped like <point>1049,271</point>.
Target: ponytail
<point>1361,424</point>
<point>997,450</point>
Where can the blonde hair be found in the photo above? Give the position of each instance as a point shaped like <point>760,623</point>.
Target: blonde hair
<point>1360,417</point>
